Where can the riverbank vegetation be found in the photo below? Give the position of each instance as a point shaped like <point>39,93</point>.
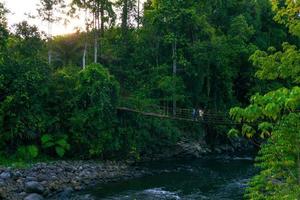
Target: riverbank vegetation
<point>59,95</point>
<point>275,115</point>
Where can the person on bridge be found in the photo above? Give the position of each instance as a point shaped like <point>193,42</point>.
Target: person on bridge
<point>194,114</point>
<point>201,113</point>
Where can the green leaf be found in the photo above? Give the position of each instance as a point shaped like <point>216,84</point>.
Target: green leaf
<point>233,133</point>
<point>46,138</point>
<point>272,110</point>
<point>60,151</point>
<point>248,131</point>
<point>63,143</point>
<point>33,151</point>
<point>48,145</point>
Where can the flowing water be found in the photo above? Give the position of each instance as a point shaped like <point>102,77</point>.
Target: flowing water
<point>211,178</point>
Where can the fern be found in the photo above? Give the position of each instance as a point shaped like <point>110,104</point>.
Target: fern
<point>60,144</point>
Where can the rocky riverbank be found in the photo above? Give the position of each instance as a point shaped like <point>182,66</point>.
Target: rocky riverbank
<point>58,180</point>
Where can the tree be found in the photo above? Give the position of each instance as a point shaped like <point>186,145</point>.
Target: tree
<point>287,13</point>
<point>3,31</point>
<point>24,77</point>
<point>275,115</point>
<point>67,49</point>
<point>128,12</point>
<point>138,17</point>
<point>97,96</point>
<point>102,14</point>
<point>48,11</point>
<point>82,4</point>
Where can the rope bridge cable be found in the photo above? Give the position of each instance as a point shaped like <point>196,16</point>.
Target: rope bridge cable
<point>182,114</point>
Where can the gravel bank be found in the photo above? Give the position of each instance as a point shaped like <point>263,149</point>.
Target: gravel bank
<point>58,180</point>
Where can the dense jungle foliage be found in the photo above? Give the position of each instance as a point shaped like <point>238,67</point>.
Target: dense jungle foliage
<point>275,115</point>
<point>58,96</point>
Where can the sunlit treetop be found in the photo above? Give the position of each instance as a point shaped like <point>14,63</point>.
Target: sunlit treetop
<point>288,13</point>
<point>46,9</point>
<point>3,11</point>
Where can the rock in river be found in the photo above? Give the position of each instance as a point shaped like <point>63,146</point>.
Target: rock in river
<point>65,194</point>
<point>34,187</point>
<point>34,197</point>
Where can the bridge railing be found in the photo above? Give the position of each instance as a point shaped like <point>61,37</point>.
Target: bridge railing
<point>150,108</point>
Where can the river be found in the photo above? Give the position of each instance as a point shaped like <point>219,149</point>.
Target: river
<point>210,178</point>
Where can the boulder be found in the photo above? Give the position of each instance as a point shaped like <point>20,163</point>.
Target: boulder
<point>34,197</point>
<point>5,175</point>
<point>34,187</point>
<point>65,194</point>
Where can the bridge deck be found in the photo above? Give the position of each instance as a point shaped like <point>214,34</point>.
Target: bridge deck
<point>183,115</point>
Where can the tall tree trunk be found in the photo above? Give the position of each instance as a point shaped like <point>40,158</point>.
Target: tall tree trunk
<point>102,18</point>
<point>125,17</point>
<point>95,48</point>
<point>49,42</point>
<point>101,27</point>
<point>85,40</point>
<point>95,38</point>
<point>174,48</point>
<point>84,55</point>
<point>138,14</point>
<point>49,56</point>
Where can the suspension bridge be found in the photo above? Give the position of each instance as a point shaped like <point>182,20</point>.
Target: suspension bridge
<point>181,114</point>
